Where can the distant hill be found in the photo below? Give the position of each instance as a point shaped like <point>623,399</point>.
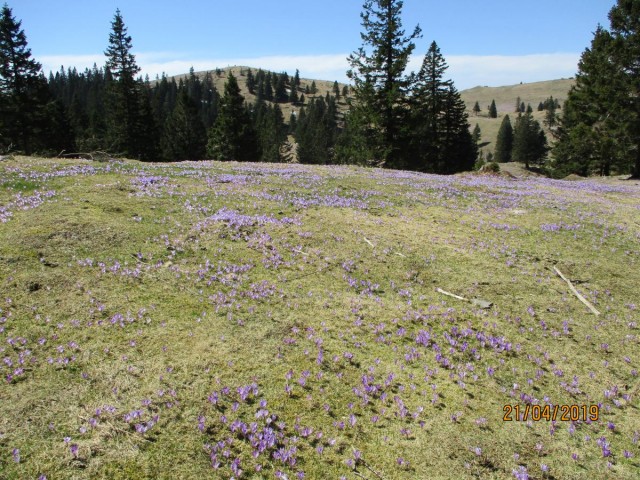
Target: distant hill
<point>220,76</point>
<point>505,97</point>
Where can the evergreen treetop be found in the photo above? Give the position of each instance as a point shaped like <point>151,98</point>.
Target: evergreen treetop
<point>504,141</point>
<point>377,70</point>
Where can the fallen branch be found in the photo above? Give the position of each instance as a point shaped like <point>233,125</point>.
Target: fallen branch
<point>476,301</point>
<point>439,290</point>
<point>367,240</point>
<point>359,475</point>
<point>93,156</point>
<point>372,470</point>
<point>576,293</point>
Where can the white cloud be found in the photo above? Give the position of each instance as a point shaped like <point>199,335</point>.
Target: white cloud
<point>466,70</point>
<point>497,70</point>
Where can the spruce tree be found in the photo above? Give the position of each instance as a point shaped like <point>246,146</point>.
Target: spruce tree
<point>476,109</point>
<point>599,131</point>
<point>336,90</point>
<point>378,74</point>
<point>493,111</point>
<point>476,135</point>
<point>268,87</point>
<point>293,96</point>
<point>147,130</point>
<point>440,140</point>
<point>251,82</point>
<point>184,135</point>
<point>232,136</point>
<point>24,96</point>
<point>123,95</point>
<point>504,142</point>
<point>280,93</point>
<point>529,141</point>
<point>316,132</point>
<point>271,132</point>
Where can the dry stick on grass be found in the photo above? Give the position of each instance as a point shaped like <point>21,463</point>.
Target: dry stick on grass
<point>368,241</point>
<point>358,474</point>
<point>372,470</point>
<point>484,304</point>
<point>576,293</point>
<point>439,290</point>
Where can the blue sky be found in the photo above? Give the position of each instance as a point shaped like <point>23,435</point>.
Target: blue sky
<point>490,42</point>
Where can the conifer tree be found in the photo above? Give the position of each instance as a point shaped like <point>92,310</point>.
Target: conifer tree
<point>123,95</point>
<point>529,141</point>
<point>493,111</point>
<point>504,142</point>
<point>599,131</point>
<point>379,81</point>
<point>293,96</point>
<point>316,132</point>
<point>476,109</point>
<point>271,132</point>
<point>476,135</point>
<point>251,82</point>
<point>314,89</point>
<point>25,113</point>
<point>184,135</point>
<point>232,136</point>
<point>280,93</point>
<point>209,101</point>
<point>440,138</point>
<point>518,107</point>
<point>336,90</point>
<point>147,130</point>
<point>296,79</point>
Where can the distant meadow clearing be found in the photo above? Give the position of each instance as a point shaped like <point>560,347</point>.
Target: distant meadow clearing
<point>236,320</point>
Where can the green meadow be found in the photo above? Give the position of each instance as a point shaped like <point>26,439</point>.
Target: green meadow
<point>249,320</point>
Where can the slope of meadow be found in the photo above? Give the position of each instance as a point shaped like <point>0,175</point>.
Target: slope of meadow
<point>217,320</point>
<point>505,98</point>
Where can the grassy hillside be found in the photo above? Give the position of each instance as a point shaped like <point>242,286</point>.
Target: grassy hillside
<point>210,320</point>
<point>505,98</point>
<point>220,78</point>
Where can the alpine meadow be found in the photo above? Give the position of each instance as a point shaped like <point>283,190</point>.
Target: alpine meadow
<point>240,273</point>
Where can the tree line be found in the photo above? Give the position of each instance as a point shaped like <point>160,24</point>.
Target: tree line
<point>415,121</point>
<point>395,119</point>
<point>112,109</point>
